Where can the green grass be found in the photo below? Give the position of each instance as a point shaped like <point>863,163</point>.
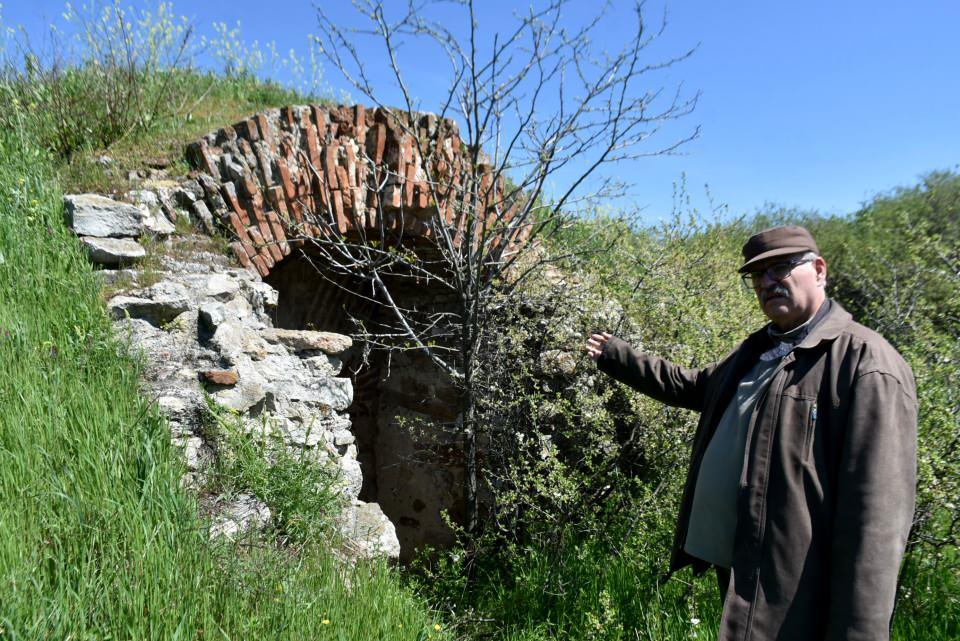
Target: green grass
<point>97,539</point>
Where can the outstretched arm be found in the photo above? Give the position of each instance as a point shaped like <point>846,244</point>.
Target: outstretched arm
<point>654,376</point>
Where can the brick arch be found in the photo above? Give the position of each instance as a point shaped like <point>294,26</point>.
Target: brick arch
<point>263,181</point>
<point>264,178</point>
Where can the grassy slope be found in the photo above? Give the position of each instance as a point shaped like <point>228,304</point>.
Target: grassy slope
<point>96,538</point>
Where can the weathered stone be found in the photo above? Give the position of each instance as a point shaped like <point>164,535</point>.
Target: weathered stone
<point>245,513</point>
<point>113,251</point>
<point>302,339</point>
<point>95,215</point>
<point>324,365</point>
<point>158,304</point>
<point>234,340</point>
<point>336,394</point>
<point>243,396</point>
<point>157,224</point>
<point>154,220</point>
<point>222,287</point>
<point>220,376</point>
<point>368,532</point>
<point>196,454</point>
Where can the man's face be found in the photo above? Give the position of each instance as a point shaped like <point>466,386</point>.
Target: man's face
<point>793,300</point>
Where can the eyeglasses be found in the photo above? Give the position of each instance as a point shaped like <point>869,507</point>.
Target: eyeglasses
<point>777,272</point>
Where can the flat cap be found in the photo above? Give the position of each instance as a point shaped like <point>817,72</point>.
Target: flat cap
<point>777,241</point>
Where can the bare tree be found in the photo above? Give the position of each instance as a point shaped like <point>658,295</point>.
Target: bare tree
<point>533,104</point>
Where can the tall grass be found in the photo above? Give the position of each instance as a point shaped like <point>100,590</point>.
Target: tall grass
<point>97,539</point>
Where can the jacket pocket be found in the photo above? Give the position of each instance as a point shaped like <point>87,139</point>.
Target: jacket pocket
<point>798,420</point>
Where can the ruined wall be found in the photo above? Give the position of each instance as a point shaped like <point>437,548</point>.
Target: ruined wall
<point>267,180</point>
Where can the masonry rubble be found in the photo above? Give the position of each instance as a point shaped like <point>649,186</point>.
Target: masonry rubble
<point>204,329</point>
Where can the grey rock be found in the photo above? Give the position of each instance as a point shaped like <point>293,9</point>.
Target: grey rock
<point>157,305</point>
<point>336,394</point>
<point>113,251</point>
<point>368,531</point>
<point>323,365</point>
<point>303,339</point>
<point>158,224</point>
<point>144,198</point>
<point>234,340</point>
<point>95,215</point>
<point>248,393</point>
<point>243,514</point>
<point>221,287</point>
<point>155,221</point>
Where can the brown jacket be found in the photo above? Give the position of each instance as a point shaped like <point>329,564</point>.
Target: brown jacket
<point>827,488</point>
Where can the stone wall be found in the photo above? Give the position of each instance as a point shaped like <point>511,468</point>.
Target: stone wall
<point>266,339</point>
<point>204,329</point>
<point>268,181</point>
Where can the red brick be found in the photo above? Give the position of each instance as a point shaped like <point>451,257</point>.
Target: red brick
<point>330,166</point>
<point>258,240</point>
<point>297,210</point>
<point>344,182</point>
<point>285,179</point>
<point>422,195</point>
<point>376,141</point>
<point>351,166</point>
<point>339,214</point>
<point>313,147</point>
<point>408,185</point>
<point>319,119</point>
<point>240,253</point>
<point>359,118</point>
<point>261,265</point>
<point>229,192</point>
<point>275,197</point>
<point>253,132</point>
<point>203,158</point>
<point>223,377</point>
<point>276,226</point>
<point>287,116</point>
<point>322,194</point>
<point>265,132</point>
<point>249,187</point>
<point>239,227</point>
<point>346,121</point>
<point>267,257</point>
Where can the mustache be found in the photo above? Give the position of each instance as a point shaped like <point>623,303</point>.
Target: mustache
<point>776,290</point>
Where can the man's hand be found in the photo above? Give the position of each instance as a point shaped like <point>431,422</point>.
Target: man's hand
<point>595,344</point>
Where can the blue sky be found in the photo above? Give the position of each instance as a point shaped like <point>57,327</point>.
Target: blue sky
<point>815,105</point>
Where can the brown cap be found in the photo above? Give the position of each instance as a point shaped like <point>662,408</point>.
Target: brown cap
<point>777,241</point>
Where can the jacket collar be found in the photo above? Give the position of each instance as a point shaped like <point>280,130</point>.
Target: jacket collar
<point>831,326</point>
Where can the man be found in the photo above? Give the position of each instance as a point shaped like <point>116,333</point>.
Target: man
<point>801,482</point>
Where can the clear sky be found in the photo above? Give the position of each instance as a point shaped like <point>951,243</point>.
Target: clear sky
<point>815,105</point>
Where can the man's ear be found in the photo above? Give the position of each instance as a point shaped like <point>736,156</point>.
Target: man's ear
<point>820,265</point>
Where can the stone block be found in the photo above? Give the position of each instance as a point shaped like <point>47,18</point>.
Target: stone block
<point>112,252</point>
<point>157,305</point>
<point>99,216</point>
<point>304,340</point>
